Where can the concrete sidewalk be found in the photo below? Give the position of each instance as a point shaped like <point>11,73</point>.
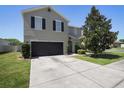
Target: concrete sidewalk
<point>67,72</point>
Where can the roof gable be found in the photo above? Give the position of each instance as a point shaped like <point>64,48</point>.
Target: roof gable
<point>41,8</point>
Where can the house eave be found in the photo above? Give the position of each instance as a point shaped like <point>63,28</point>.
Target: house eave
<point>74,27</point>
<point>72,36</point>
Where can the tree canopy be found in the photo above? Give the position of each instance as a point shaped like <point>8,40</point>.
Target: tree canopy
<point>121,40</point>
<point>97,34</point>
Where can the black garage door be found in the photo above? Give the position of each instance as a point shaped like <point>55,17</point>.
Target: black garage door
<point>46,48</point>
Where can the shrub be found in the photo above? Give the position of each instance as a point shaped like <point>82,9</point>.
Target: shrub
<point>26,50</point>
<point>81,51</point>
<point>77,47</point>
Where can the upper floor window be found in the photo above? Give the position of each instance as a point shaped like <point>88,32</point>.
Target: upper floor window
<point>38,23</point>
<point>58,26</point>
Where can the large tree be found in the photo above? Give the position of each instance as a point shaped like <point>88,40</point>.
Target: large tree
<point>97,34</point>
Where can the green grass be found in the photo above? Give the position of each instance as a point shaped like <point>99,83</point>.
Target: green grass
<point>114,49</point>
<point>120,48</point>
<point>14,72</point>
<point>104,59</point>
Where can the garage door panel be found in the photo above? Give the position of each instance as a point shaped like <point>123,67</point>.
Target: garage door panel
<point>46,48</point>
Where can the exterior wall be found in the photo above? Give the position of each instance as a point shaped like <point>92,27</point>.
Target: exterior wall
<point>49,16</point>
<point>6,48</point>
<point>74,31</point>
<point>48,37</point>
<point>73,46</point>
<point>122,45</point>
<point>3,42</point>
<point>48,34</point>
<point>74,42</point>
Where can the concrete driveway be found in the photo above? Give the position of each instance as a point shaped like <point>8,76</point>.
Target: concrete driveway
<point>67,72</point>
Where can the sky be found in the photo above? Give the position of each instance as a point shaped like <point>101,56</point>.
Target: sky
<point>11,20</point>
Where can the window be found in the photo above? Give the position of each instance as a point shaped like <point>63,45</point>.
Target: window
<point>38,23</point>
<point>58,26</point>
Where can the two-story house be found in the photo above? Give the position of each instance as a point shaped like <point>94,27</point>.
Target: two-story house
<point>48,32</point>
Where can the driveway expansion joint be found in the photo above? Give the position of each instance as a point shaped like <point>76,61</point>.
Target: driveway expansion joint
<point>72,67</point>
<point>54,79</point>
<point>118,83</point>
<point>91,79</point>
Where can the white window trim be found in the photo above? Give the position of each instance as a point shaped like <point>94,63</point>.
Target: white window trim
<point>60,25</point>
<point>38,16</point>
<point>35,23</point>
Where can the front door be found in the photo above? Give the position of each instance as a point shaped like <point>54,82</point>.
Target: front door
<point>69,47</point>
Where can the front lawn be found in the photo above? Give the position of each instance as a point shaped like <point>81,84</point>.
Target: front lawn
<point>14,71</point>
<point>103,59</point>
<point>115,50</point>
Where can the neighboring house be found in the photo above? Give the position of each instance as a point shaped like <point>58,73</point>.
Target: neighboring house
<point>4,42</point>
<point>48,32</point>
<point>122,45</point>
<point>4,46</point>
<point>118,44</point>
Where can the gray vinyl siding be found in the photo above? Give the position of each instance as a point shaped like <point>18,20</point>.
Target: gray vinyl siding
<point>74,31</point>
<point>48,34</point>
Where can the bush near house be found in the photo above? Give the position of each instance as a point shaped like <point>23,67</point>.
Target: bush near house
<point>26,50</point>
<point>77,47</point>
<point>81,51</point>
